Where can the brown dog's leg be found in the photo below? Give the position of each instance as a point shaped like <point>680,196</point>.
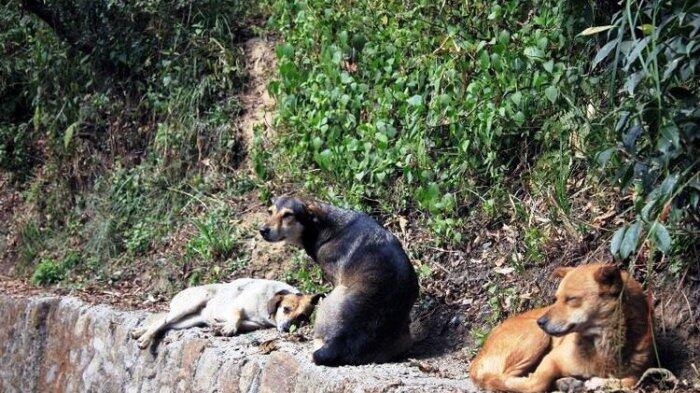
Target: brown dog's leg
<point>539,381</point>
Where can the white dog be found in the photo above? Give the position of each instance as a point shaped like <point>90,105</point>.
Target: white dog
<point>242,305</point>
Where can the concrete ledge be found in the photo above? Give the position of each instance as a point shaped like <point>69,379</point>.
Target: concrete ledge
<point>60,344</point>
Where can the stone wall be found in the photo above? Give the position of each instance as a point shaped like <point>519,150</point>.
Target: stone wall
<point>52,344</point>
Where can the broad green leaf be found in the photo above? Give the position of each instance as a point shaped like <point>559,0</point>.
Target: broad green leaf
<point>603,53</point>
<point>516,97</point>
<point>616,241</point>
<point>636,51</point>
<point>595,30</point>
<point>668,184</point>
<point>416,100</point>
<point>519,118</point>
<point>629,138</point>
<point>629,242</point>
<point>323,159</point>
<point>604,156</point>
<point>68,135</point>
<point>534,52</point>
<point>552,93</point>
<point>662,238</point>
<point>633,80</point>
<point>669,138</point>
<point>548,66</point>
<point>285,50</point>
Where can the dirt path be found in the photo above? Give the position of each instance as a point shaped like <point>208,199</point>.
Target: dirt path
<point>258,105</point>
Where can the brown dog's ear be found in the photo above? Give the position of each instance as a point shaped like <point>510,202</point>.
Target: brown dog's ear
<point>274,303</point>
<point>609,275</point>
<point>561,271</point>
<point>317,297</point>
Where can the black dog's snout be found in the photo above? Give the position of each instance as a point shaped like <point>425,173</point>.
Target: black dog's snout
<point>542,321</point>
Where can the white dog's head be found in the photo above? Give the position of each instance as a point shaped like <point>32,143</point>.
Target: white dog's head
<point>288,308</point>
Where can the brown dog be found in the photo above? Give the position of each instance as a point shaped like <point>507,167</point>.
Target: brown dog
<point>599,326</point>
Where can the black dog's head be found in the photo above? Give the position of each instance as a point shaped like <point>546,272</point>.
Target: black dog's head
<point>287,220</point>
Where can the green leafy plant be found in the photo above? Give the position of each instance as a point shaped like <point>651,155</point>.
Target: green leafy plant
<point>652,56</point>
<point>437,97</point>
<point>48,271</point>
<point>216,238</point>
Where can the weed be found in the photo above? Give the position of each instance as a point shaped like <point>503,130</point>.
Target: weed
<point>534,240</point>
<point>216,239</point>
<point>47,272</point>
<point>479,335</point>
<point>31,243</point>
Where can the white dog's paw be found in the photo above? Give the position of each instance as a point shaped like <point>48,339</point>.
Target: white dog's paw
<point>224,329</point>
<point>137,332</point>
<point>318,343</point>
<point>144,342</point>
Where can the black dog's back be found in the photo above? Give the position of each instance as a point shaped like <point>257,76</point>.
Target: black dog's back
<point>365,318</point>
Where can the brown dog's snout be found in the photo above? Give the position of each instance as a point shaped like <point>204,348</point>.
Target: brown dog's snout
<point>264,230</point>
<point>543,321</point>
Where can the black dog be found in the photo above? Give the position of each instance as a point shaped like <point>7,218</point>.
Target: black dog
<point>366,317</point>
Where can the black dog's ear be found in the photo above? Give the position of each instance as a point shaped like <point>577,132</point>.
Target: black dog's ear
<point>274,303</point>
<point>311,212</point>
<point>317,297</point>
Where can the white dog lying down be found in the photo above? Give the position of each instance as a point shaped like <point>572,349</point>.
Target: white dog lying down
<point>242,305</point>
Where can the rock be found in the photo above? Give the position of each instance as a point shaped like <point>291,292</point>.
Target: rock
<point>63,345</point>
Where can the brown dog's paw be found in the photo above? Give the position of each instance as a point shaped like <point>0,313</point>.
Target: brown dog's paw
<point>597,384</point>
<point>570,385</point>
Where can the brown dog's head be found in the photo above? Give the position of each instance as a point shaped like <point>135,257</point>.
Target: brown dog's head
<point>586,299</point>
<point>288,308</point>
<point>288,217</point>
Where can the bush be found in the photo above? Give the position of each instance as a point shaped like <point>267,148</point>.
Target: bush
<point>652,56</point>
<point>421,104</point>
<point>47,272</point>
<point>216,239</point>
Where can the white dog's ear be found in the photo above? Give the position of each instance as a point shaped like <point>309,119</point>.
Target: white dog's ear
<point>273,303</point>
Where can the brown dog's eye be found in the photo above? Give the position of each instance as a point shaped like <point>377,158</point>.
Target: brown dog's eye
<point>570,299</point>
<point>287,214</point>
<point>286,310</point>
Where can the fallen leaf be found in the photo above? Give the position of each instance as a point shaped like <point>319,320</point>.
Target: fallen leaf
<point>268,346</point>
<point>504,270</point>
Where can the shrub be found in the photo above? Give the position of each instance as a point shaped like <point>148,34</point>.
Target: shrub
<point>47,272</point>
<point>652,53</point>
<point>216,238</point>
<point>420,102</point>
